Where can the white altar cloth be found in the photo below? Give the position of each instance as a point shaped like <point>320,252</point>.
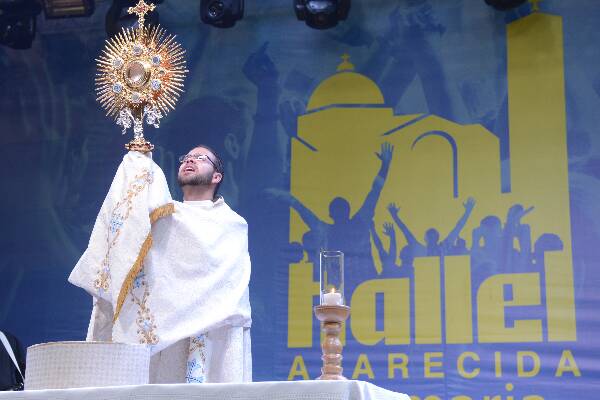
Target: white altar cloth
<point>296,390</point>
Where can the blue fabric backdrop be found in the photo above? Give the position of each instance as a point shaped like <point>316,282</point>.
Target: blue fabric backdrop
<point>477,103</point>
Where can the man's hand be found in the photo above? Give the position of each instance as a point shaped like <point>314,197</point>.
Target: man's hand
<point>386,153</point>
<point>393,209</point>
<point>388,229</point>
<point>258,68</point>
<point>469,204</point>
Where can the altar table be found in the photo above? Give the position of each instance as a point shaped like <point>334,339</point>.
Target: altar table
<point>284,390</point>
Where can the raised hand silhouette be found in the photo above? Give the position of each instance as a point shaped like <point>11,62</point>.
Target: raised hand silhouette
<point>469,204</point>
<point>385,155</point>
<point>393,208</point>
<point>388,229</point>
<point>259,68</point>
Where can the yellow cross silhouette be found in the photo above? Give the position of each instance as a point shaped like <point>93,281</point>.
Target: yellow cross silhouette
<point>535,5</point>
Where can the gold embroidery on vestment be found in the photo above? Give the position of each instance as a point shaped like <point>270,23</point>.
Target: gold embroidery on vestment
<point>136,268</point>
<point>118,218</point>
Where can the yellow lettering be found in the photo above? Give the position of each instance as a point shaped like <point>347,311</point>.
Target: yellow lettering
<point>560,302</point>
<point>432,397</point>
<point>396,313</point>
<point>457,285</point>
<point>461,367</point>
<point>533,397</point>
<point>497,364</point>
<point>301,291</point>
<point>461,397</point>
<point>535,369</point>
<point>491,308</point>
<point>544,183</point>
<point>428,309</point>
<point>393,365</point>
<point>567,364</point>
<point>431,363</point>
<point>363,367</point>
<point>298,369</point>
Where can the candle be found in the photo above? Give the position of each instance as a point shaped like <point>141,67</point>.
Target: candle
<point>332,299</point>
<point>331,277</point>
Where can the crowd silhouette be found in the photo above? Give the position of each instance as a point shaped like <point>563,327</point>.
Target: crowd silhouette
<point>496,246</point>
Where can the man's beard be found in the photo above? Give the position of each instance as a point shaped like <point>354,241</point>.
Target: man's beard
<point>196,180</point>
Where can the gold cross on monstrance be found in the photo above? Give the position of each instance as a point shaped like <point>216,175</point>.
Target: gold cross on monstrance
<point>141,9</point>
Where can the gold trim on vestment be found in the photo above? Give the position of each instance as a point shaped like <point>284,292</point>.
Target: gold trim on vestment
<point>162,211</point>
<point>156,214</point>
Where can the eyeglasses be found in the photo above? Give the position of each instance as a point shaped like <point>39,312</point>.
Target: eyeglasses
<point>196,157</point>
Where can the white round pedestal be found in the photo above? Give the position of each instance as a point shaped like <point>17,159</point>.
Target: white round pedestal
<point>62,365</point>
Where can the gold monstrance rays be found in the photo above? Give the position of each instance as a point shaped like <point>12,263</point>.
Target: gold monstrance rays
<point>140,76</point>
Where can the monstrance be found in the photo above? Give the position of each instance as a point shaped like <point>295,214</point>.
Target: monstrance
<point>140,77</point>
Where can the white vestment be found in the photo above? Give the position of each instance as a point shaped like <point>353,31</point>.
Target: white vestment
<point>177,275</point>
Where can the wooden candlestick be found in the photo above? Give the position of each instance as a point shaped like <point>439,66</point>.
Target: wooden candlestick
<point>332,318</point>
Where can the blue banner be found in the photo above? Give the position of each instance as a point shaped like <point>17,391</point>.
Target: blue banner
<point>445,147</point>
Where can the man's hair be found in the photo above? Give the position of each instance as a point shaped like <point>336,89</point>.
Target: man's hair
<point>218,164</point>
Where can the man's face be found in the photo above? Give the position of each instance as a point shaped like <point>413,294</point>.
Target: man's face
<point>196,172</point>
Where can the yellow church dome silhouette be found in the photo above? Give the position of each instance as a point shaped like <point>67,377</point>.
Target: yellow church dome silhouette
<point>345,87</point>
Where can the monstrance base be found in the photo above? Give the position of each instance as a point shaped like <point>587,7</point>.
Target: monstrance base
<point>140,144</point>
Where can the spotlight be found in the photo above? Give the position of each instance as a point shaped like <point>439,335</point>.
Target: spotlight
<point>18,22</point>
<point>117,17</point>
<point>322,14</point>
<point>221,13</point>
<point>504,5</point>
<point>68,8</point>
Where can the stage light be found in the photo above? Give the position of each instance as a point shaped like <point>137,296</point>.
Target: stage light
<point>18,22</point>
<point>68,8</point>
<point>504,5</point>
<point>321,14</point>
<point>221,13</point>
<point>118,18</point>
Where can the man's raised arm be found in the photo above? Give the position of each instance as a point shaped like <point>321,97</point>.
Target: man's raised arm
<point>385,155</point>
<point>306,214</point>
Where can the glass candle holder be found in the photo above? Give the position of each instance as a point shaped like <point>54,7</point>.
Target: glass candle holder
<point>332,278</point>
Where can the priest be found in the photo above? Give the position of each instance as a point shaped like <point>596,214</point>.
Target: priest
<point>171,275</point>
